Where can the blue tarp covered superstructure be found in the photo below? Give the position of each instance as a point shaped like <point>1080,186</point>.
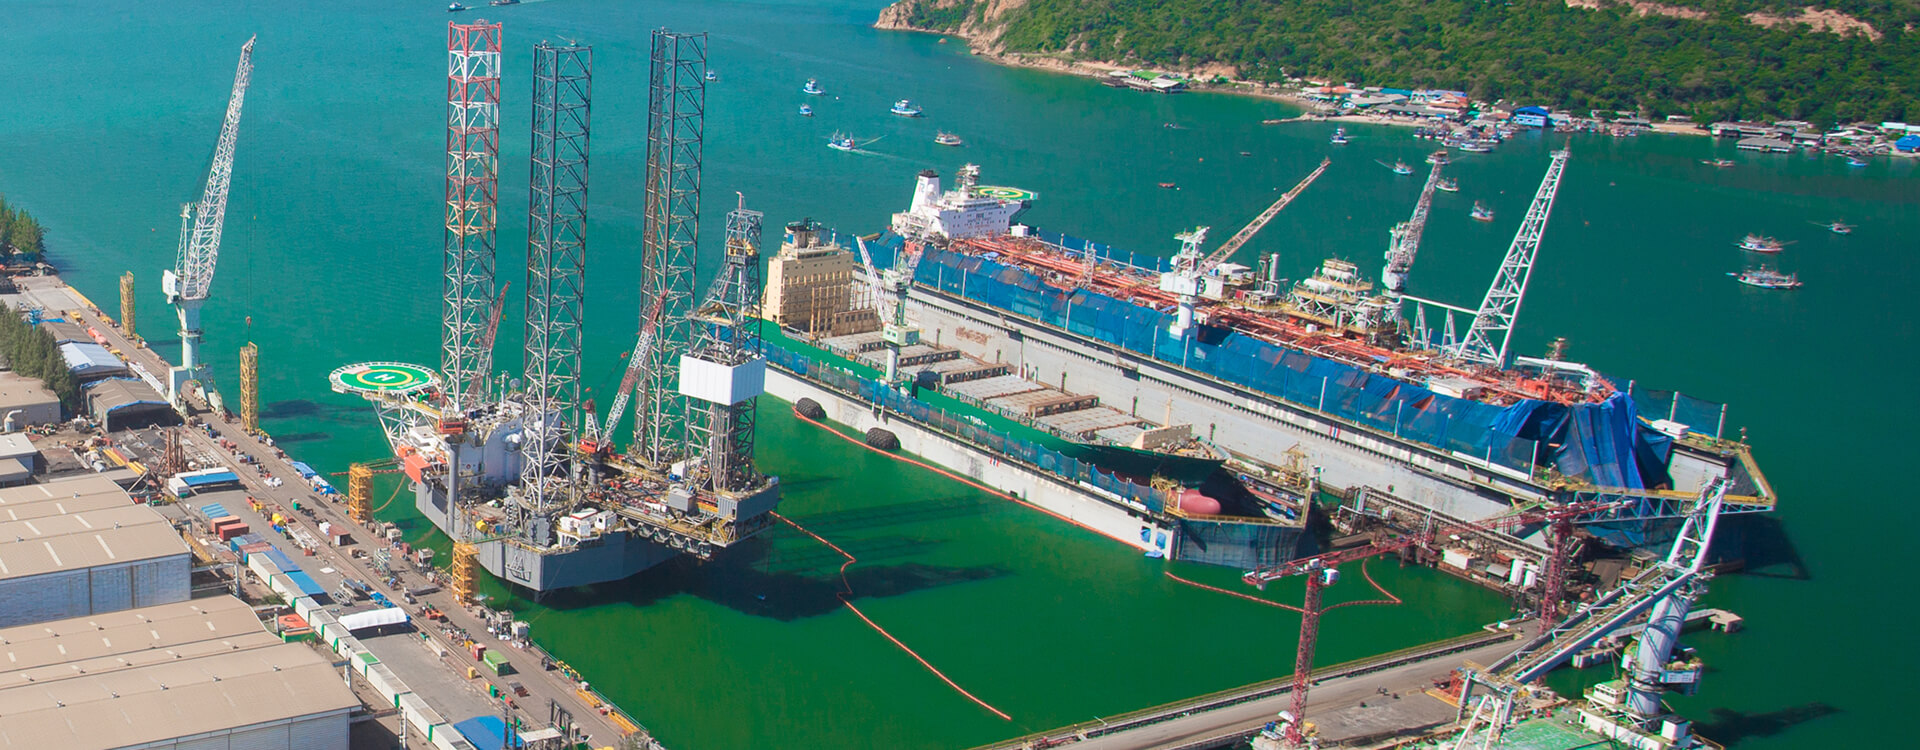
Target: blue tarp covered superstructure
<point>1606,444</point>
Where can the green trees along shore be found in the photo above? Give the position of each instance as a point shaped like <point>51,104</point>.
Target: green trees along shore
<point>20,234</point>
<point>1707,59</point>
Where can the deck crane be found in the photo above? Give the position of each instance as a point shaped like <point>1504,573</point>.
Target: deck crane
<point>1403,242</point>
<point>487,336</point>
<point>596,439</point>
<point>188,283</point>
<point>1323,570</point>
<point>1187,280</point>
<point>1494,320</point>
<point>1667,589</point>
<point>893,323</point>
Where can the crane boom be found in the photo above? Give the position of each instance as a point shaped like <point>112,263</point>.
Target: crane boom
<point>1232,245</point>
<point>1502,303</point>
<point>486,341</point>
<point>202,248</point>
<point>636,363</point>
<point>873,275</point>
<point>1404,244</point>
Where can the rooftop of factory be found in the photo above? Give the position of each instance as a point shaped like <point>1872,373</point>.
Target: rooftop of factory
<point>17,390</point>
<point>51,527</point>
<point>147,675</point>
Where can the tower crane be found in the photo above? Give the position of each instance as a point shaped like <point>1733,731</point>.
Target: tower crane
<point>1322,571</point>
<point>1667,589</point>
<point>893,323</point>
<point>188,283</point>
<point>1188,277</point>
<point>1494,320</point>
<point>1403,241</point>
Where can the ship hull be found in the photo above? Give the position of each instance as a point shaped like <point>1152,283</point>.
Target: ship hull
<point>609,557</point>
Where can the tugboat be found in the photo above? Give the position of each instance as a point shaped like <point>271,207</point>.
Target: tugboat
<point>1758,244</point>
<point>812,87</point>
<point>1339,137</point>
<point>1722,163</point>
<point>1767,278</point>
<point>455,7</point>
<point>906,108</point>
<point>806,110</point>
<point>1447,185</point>
<point>1481,212</point>
<point>842,142</point>
<point>945,138</point>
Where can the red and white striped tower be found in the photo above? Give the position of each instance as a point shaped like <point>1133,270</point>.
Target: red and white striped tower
<point>473,177</point>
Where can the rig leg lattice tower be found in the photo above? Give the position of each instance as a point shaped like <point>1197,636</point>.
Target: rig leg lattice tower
<point>728,340</point>
<point>473,176</point>
<point>250,388</point>
<point>676,117</point>
<point>463,574</point>
<point>556,266</point>
<point>360,493</point>
<point>126,305</point>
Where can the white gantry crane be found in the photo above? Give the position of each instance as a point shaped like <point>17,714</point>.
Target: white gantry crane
<point>1486,342</point>
<point>1403,242</point>
<point>893,322</point>
<point>187,284</point>
<point>1188,279</point>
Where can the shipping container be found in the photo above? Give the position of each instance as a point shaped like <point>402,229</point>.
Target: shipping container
<point>498,663</point>
<point>230,531</point>
<point>421,716</point>
<point>249,550</point>
<point>449,739</point>
<point>387,684</point>
<point>263,566</point>
<point>305,606</point>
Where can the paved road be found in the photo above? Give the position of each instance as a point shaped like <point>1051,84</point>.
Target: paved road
<point>542,685</point>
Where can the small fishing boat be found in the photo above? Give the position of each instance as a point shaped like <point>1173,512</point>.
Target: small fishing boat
<point>1169,186</point>
<point>1339,137</point>
<point>1481,212</point>
<point>1447,185</point>
<point>455,7</point>
<point>1836,227</point>
<point>1758,244</point>
<point>712,76</point>
<point>1400,167</point>
<point>945,138</point>
<point>906,108</point>
<point>806,110</point>
<point>1437,158</point>
<point>1767,278</point>
<point>812,87</point>
<point>1722,163</point>
<point>504,2</point>
<point>1475,147</point>
<point>842,142</point>
<point>1855,161</point>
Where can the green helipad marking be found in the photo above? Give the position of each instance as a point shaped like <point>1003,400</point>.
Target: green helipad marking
<point>1006,193</point>
<point>383,377</point>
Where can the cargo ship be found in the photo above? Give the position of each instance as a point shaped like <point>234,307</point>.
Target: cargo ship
<point>1325,365</point>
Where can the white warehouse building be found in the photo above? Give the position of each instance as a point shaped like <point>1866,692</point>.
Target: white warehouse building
<point>83,547</point>
<point>199,675</point>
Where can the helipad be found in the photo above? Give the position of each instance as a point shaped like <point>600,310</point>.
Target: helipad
<point>1006,193</point>
<point>385,378</point>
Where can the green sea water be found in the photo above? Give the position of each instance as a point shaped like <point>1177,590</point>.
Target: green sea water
<point>107,119</point>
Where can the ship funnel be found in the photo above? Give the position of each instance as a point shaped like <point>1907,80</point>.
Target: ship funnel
<point>926,190</point>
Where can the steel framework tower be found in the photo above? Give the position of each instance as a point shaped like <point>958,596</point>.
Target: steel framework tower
<point>556,263</point>
<point>727,340</point>
<point>190,281</point>
<point>250,388</point>
<point>1403,241</point>
<point>676,117</point>
<point>473,176</point>
<point>126,305</point>
<point>1502,303</point>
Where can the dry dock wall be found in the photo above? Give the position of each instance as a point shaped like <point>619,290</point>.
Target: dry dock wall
<point>1243,421</point>
<point>1071,501</point>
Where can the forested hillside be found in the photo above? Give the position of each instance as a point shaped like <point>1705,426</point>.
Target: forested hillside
<point>1711,59</point>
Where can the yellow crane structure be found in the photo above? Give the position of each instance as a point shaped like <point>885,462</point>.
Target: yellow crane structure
<point>126,305</point>
<point>250,388</point>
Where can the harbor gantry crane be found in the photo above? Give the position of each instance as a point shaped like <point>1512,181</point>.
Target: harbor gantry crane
<point>1494,319</point>
<point>1321,571</point>
<point>1187,280</point>
<point>189,282</point>
<point>1667,589</point>
<point>1403,242</point>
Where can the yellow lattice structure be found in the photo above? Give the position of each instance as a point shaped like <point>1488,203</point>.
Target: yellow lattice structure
<point>250,388</point>
<point>360,493</point>
<point>463,572</point>
<point>126,305</point>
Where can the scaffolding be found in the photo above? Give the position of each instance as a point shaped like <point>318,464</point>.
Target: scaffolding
<point>556,266</point>
<point>676,115</point>
<point>360,493</point>
<point>727,340</point>
<point>473,150</point>
<point>463,577</point>
<point>126,305</point>
<point>250,388</point>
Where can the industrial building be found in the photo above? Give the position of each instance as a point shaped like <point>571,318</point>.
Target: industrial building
<point>125,403</point>
<point>810,285</point>
<point>24,402</point>
<point>198,674</point>
<point>90,361</point>
<point>83,547</point>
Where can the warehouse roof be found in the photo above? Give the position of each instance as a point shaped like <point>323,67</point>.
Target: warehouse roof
<point>60,498</point>
<point>88,359</point>
<point>152,674</point>
<point>17,391</point>
<point>84,539</point>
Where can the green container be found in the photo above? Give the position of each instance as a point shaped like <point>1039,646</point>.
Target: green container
<point>497,663</point>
